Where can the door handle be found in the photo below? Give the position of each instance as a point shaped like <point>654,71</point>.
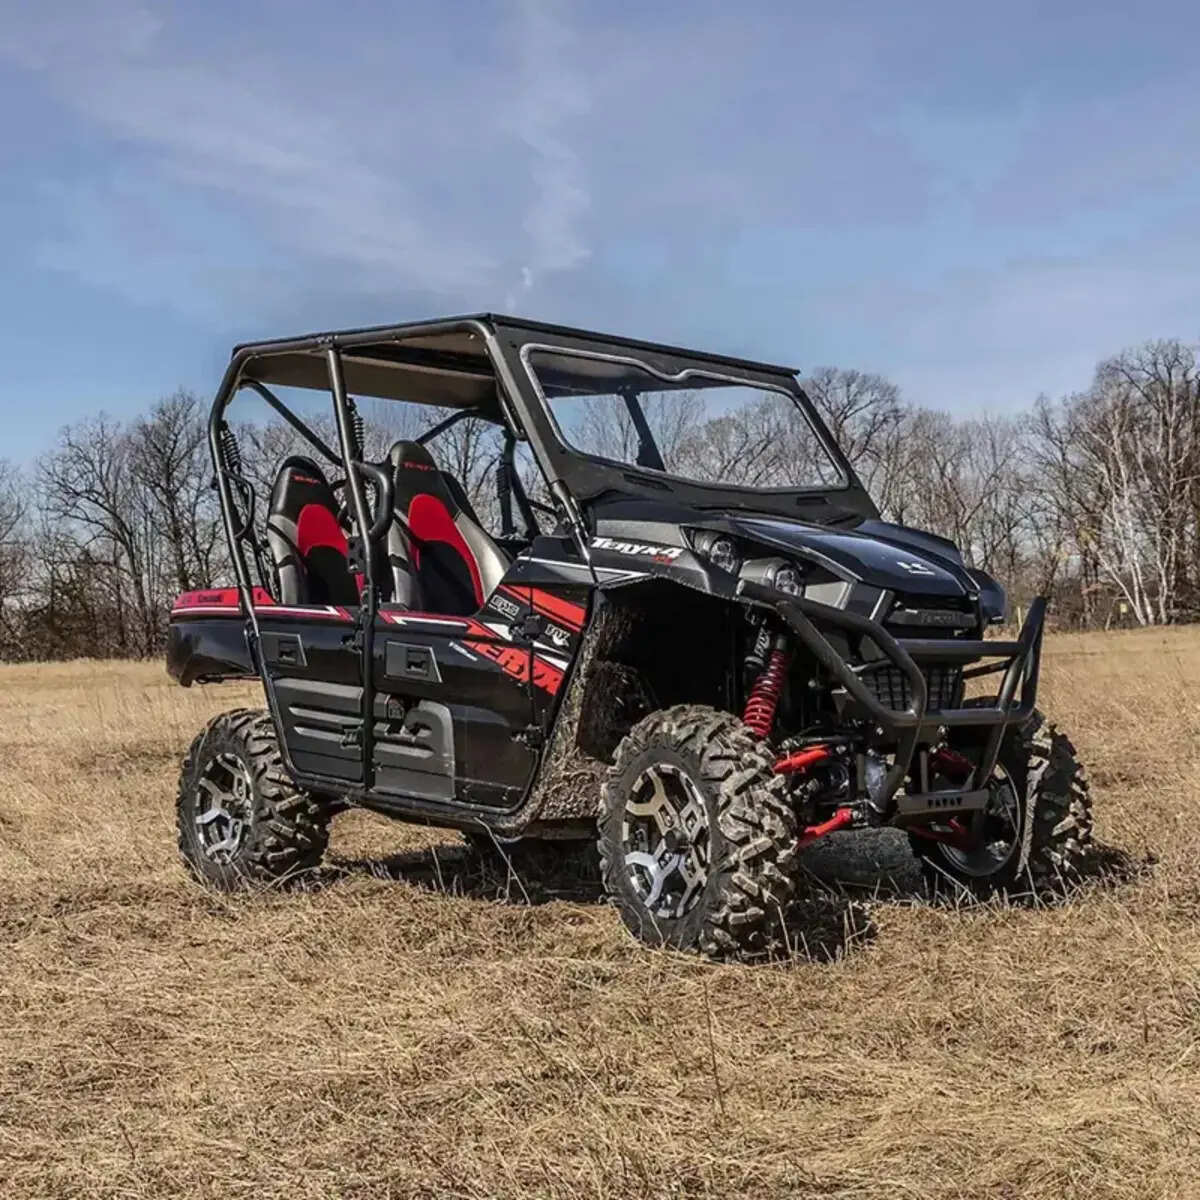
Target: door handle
<point>405,661</point>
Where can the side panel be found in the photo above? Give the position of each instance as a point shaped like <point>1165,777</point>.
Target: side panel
<point>498,674</point>
<point>314,665</point>
<point>553,590</point>
<point>207,649</point>
<point>452,709</point>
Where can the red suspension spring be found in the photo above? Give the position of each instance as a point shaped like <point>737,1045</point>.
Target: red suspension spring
<point>764,695</point>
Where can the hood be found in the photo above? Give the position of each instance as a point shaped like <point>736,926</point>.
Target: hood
<point>875,552</point>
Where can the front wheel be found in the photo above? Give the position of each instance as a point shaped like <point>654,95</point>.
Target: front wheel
<point>1034,836</point>
<point>697,838</point>
<point>241,821</point>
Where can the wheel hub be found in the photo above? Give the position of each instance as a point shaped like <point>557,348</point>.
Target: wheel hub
<point>999,831</point>
<point>223,806</point>
<point>666,840</point>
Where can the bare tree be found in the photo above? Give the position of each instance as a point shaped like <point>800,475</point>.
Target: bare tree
<point>14,555</point>
<point>865,414</point>
<point>1122,468</point>
<point>169,452</point>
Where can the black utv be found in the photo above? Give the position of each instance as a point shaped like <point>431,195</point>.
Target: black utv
<point>676,625</point>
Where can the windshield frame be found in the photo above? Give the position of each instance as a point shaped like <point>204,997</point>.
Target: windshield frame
<point>846,482</point>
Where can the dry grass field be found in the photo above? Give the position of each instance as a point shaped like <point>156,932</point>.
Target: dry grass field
<point>420,1026</point>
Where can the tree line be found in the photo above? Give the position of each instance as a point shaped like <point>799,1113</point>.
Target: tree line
<point>1093,500</point>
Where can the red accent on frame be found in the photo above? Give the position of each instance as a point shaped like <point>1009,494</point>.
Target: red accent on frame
<point>839,820</point>
<point>957,835</point>
<point>218,598</point>
<point>430,521</point>
<point>953,764</point>
<point>802,760</point>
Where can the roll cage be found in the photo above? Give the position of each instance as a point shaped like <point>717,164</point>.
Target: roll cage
<point>479,366</point>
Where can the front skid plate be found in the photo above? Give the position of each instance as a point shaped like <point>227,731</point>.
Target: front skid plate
<point>938,806</point>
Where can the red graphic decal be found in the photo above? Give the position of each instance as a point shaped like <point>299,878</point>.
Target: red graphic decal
<point>516,664</point>
<point>546,676</point>
<point>549,605</point>
<point>217,598</point>
<point>403,617</point>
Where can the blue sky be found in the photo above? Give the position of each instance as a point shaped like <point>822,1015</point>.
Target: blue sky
<point>978,201</point>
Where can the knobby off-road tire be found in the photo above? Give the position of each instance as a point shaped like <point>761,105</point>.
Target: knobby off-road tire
<point>1053,823</point>
<point>708,779</point>
<point>266,831</point>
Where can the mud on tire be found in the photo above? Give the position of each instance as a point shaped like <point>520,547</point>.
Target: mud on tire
<point>721,776</point>
<point>241,822</point>
<point>1054,826</point>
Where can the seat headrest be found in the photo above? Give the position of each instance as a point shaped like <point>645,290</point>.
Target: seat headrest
<point>299,482</point>
<point>414,472</point>
<point>411,456</point>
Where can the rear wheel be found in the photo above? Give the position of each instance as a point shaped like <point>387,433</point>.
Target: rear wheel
<point>240,819</point>
<point>697,838</point>
<point>1036,831</point>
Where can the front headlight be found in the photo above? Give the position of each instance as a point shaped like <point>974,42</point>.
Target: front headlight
<point>783,574</point>
<point>789,580</point>
<point>718,550</point>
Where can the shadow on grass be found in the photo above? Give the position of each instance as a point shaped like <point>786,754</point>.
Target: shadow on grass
<point>823,924</point>
<point>842,879</point>
<point>517,875</point>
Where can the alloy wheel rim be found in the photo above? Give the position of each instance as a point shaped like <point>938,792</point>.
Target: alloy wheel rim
<point>223,803</point>
<point>666,840</point>
<point>1001,831</point>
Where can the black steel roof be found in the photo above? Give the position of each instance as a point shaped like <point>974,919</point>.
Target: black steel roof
<point>503,322</point>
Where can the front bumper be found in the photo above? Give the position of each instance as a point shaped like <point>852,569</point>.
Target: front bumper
<point>1013,702</point>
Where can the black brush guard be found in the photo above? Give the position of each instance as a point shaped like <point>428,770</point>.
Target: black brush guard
<point>1013,702</point>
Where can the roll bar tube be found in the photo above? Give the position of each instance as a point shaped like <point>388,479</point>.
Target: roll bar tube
<point>290,417</point>
<point>369,601</point>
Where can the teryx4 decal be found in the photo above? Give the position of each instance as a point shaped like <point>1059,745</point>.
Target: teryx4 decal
<point>639,549</point>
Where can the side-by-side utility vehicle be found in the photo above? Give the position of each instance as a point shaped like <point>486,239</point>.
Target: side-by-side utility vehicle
<point>673,621</point>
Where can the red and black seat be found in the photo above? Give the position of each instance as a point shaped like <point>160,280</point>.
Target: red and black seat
<point>442,560</point>
<point>307,542</point>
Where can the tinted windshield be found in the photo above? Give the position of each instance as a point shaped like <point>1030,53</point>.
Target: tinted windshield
<point>704,429</point>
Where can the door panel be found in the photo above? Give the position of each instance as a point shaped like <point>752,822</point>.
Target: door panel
<point>468,669</point>
<point>499,674</point>
<point>316,671</point>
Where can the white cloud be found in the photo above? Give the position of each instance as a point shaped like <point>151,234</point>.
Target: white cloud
<point>549,96</point>
<point>350,169</point>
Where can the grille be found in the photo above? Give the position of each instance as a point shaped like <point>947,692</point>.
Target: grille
<point>890,687</point>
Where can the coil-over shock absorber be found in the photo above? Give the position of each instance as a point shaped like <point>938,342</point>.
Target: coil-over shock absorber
<point>358,429</point>
<point>231,460</point>
<point>231,452</point>
<point>769,657</point>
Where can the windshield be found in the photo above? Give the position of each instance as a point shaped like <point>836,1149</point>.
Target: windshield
<point>696,426</point>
